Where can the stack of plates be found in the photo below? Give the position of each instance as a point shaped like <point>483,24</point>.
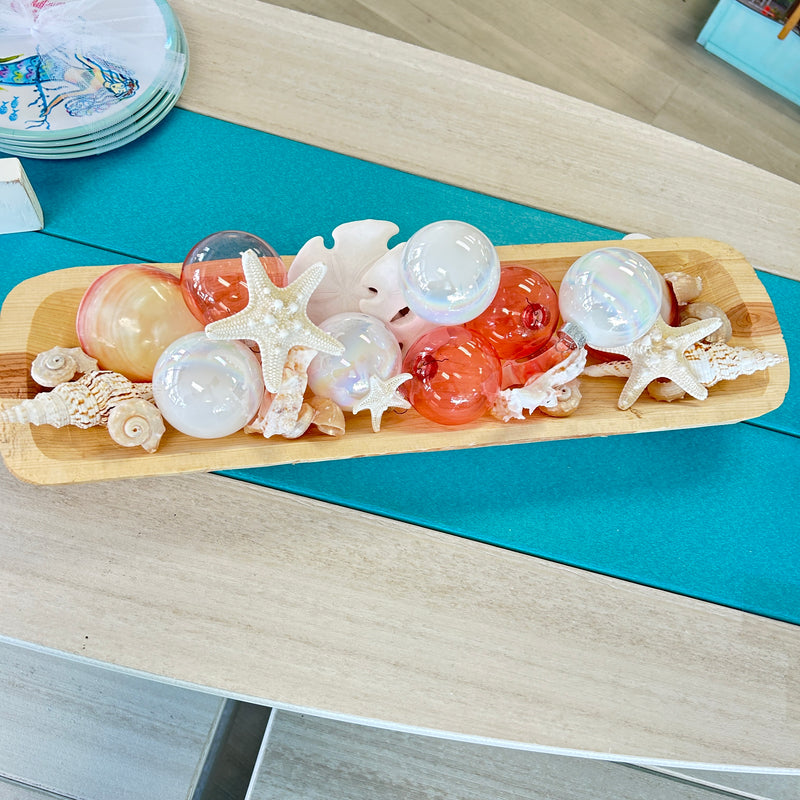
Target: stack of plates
<point>80,77</point>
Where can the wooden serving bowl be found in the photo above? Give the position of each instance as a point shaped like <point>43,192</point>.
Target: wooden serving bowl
<point>40,313</point>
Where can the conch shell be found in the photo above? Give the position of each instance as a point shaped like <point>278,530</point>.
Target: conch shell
<point>710,362</point>
<point>136,422</point>
<point>84,403</point>
<point>61,364</point>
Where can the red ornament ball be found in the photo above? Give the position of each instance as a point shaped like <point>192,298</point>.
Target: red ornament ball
<point>455,375</point>
<point>523,316</point>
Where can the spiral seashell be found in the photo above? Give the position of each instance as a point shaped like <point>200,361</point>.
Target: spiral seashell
<point>60,364</point>
<point>135,422</point>
<point>717,361</point>
<point>568,399</point>
<point>83,403</point>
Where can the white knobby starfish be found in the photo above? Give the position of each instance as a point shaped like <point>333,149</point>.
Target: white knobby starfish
<point>382,395</point>
<point>660,354</point>
<point>275,318</point>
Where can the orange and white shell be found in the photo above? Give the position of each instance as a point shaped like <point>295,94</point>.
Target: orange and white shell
<point>61,364</point>
<point>83,403</point>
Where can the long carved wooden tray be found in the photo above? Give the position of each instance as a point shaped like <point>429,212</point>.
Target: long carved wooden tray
<point>40,313</point>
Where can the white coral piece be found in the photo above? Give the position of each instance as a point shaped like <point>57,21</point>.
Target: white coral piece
<point>542,391</point>
<point>285,413</point>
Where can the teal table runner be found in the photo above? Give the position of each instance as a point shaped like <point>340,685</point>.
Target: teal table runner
<point>709,513</point>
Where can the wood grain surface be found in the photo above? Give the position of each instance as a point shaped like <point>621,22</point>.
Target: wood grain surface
<point>40,313</point>
<point>397,104</point>
<point>258,594</point>
<point>254,593</point>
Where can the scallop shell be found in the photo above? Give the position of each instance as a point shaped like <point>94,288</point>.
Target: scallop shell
<point>283,414</point>
<point>61,364</point>
<point>84,403</point>
<point>544,390</point>
<point>136,423</point>
<point>710,362</point>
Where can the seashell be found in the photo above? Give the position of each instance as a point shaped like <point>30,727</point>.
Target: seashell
<point>695,311</point>
<point>282,414</point>
<point>328,417</point>
<point>83,403</point>
<point>136,423</point>
<point>61,364</point>
<point>357,246</point>
<point>718,361</point>
<point>618,368</point>
<point>544,390</point>
<point>129,315</point>
<point>710,363</point>
<point>685,287</point>
<point>665,390</point>
<point>569,398</point>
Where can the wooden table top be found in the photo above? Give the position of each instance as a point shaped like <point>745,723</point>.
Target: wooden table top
<point>305,605</point>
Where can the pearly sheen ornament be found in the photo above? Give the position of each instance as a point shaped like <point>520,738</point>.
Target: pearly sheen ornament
<point>450,272</point>
<point>660,354</point>
<point>205,388</point>
<point>275,318</point>
<point>368,349</point>
<point>612,294</point>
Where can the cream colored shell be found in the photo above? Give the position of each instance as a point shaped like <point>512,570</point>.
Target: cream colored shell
<point>61,364</point>
<point>135,422</point>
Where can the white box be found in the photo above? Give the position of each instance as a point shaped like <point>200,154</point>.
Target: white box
<point>19,208</point>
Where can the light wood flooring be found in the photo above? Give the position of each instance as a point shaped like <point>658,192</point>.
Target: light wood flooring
<point>636,57</point>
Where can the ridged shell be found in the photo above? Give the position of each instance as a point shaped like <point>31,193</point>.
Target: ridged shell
<point>61,364</point>
<point>709,362</point>
<point>716,362</point>
<point>83,403</point>
<point>136,423</point>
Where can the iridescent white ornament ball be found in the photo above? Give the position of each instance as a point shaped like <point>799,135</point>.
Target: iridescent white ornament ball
<point>450,272</point>
<point>613,294</point>
<point>205,388</point>
<point>370,348</point>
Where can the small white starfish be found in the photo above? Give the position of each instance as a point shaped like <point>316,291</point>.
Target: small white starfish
<point>660,354</point>
<point>382,395</point>
<point>275,319</point>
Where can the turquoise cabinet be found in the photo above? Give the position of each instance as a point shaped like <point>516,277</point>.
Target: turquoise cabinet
<point>749,41</point>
